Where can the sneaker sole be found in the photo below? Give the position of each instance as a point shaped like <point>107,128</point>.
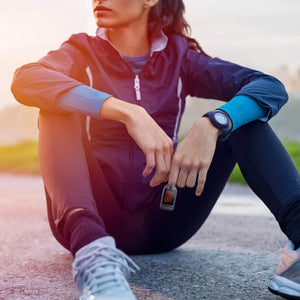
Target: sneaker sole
<point>284,287</point>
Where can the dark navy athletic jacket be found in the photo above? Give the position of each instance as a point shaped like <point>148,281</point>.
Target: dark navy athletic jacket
<point>169,76</point>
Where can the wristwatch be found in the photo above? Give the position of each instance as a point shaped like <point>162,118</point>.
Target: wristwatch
<point>220,120</point>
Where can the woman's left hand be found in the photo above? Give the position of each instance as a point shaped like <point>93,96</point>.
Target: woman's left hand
<point>194,155</point>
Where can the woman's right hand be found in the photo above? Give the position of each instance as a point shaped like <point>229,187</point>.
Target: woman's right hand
<point>148,135</point>
<point>154,142</point>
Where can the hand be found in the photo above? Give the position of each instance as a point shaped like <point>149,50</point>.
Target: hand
<point>194,155</point>
<point>152,140</point>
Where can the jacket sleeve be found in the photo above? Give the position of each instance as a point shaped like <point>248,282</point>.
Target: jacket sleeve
<point>41,84</point>
<point>214,78</point>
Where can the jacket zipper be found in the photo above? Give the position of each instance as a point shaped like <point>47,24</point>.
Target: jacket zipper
<point>138,97</point>
<point>137,88</point>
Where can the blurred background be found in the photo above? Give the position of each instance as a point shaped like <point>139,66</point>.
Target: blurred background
<point>260,34</point>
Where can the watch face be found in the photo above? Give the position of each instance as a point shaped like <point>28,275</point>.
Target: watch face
<point>221,118</point>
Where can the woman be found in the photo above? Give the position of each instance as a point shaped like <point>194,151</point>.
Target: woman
<point>104,175</point>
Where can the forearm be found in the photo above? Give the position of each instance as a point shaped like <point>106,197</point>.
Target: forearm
<point>41,84</point>
<point>213,78</point>
<point>83,99</point>
<point>119,110</point>
<point>243,110</point>
<point>36,85</point>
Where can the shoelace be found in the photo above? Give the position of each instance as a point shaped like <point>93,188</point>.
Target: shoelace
<point>103,269</point>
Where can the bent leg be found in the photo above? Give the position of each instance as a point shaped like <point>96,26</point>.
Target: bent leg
<point>172,230</point>
<point>271,174</point>
<point>265,164</point>
<point>152,230</point>
<point>72,210</point>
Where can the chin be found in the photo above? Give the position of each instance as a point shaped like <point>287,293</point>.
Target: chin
<point>109,23</point>
<point>105,24</point>
<point>102,23</point>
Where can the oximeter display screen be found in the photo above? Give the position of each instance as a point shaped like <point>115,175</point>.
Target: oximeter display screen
<point>169,197</point>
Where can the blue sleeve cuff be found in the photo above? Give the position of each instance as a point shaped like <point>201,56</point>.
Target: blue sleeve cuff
<point>83,99</point>
<point>243,109</point>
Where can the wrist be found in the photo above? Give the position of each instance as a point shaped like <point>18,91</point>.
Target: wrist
<point>219,120</point>
<point>206,125</point>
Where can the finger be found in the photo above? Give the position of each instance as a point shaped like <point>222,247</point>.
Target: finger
<point>201,181</point>
<point>174,172</point>
<point>182,177</point>
<point>150,164</point>
<point>168,159</point>
<point>161,170</point>
<point>192,178</point>
<point>166,178</point>
<point>168,162</point>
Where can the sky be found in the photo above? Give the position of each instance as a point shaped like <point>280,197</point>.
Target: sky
<point>262,34</point>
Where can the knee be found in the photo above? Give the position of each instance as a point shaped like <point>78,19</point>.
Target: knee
<point>60,127</point>
<point>57,119</point>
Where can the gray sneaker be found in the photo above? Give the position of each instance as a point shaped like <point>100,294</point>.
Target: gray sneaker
<point>101,271</point>
<point>286,281</point>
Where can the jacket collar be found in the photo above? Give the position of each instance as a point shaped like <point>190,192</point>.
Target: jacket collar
<point>159,40</point>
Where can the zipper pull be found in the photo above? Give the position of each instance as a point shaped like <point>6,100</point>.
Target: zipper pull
<point>137,87</point>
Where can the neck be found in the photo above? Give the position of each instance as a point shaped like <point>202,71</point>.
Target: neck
<point>130,41</point>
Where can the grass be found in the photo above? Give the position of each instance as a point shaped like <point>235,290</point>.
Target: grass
<point>20,158</point>
<point>23,159</point>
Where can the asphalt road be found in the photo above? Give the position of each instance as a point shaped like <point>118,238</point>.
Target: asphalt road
<point>233,256</point>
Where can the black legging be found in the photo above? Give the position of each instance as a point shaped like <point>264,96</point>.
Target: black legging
<point>73,179</point>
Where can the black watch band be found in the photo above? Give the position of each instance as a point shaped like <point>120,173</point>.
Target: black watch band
<point>220,120</point>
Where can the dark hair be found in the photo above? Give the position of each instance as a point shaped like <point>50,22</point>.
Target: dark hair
<point>168,15</point>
